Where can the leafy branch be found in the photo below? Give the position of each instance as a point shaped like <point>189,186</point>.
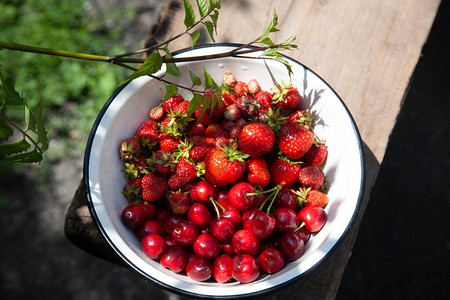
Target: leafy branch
<point>34,136</point>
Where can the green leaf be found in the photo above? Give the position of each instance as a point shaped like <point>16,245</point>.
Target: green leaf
<point>27,157</point>
<point>206,104</point>
<point>41,132</point>
<point>271,28</point>
<point>208,79</point>
<point>210,28</point>
<point>202,7</point>
<point>194,37</point>
<point>214,18</point>
<point>215,3</point>
<point>152,64</point>
<point>194,104</point>
<point>189,15</point>
<point>5,131</point>
<point>171,90</point>
<point>171,68</point>
<point>12,97</point>
<point>267,41</point>
<point>14,147</point>
<point>194,78</point>
<point>30,121</point>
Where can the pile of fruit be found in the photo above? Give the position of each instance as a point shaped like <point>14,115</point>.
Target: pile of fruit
<point>230,192</point>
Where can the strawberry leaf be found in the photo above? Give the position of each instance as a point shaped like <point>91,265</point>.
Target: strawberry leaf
<point>194,78</point>
<point>214,18</point>
<point>194,104</point>
<point>203,8</point>
<point>152,64</point>
<point>27,157</point>
<point>210,28</point>
<point>171,68</point>
<point>5,131</point>
<point>12,97</point>
<point>271,28</point>
<point>194,37</point>
<point>14,147</point>
<point>189,15</point>
<point>171,90</point>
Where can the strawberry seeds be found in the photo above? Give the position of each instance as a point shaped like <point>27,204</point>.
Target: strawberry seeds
<point>231,191</point>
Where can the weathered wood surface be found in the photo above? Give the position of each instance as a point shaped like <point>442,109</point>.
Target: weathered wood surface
<point>366,50</point>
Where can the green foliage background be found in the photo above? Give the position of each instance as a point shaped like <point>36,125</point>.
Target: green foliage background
<point>71,91</point>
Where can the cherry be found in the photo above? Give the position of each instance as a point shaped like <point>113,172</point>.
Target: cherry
<point>314,217</point>
<point>227,248</point>
<point>244,242</point>
<point>199,214</point>
<point>271,260</point>
<point>161,214</point>
<point>170,221</point>
<point>245,268</point>
<point>262,224</point>
<point>304,234</point>
<point>150,226</point>
<point>133,216</point>
<point>238,196</point>
<point>202,191</point>
<point>170,241</point>
<point>185,233</point>
<point>222,268</point>
<point>149,208</point>
<point>287,219</point>
<point>234,216</point>
<point>206,246</point>
<point>291,245</point>
<point>199,269</point>
<point>222,229</point>
<point>222,197</point>
<point>153,245</point>
<point>175,258</point>
<point>247,216</point>
<point>286,198</point>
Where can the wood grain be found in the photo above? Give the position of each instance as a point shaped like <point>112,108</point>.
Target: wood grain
<point>366,50</point>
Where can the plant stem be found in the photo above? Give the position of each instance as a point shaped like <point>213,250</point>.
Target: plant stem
<point>24,133</point>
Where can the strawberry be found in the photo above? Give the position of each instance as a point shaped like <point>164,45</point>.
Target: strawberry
<point>308,196</point>
<point>195,128</point>
<point>311,177</point>
<point>232,112</point>
<point>248,106</point>
<point>259,174</point>
<point>200,147</point>
<point>256,139</point>
<point>129,148</point>
<point>132,190</point>
<point>286,96</point>
<point>157,113</point>
<point>147,133</point>
<point>228,98</point>
<point>295,140</point>
<point>179,202</point>
<point>283,170</point>
<point>169,104</point>
<point>224,165</point>
<point>184,173</point>
<point>316,155</point>
<point>182,107</point>
<point>253,86</point>
<point>168,142</point>
<point>228,79</point>
<point>209,117</point>
<point>264,98</point>
<point>153,187</point>
<point>241,89</point>
<point>162,162</point>
<point>215,130</point>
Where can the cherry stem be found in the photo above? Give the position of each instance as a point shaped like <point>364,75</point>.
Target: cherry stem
<point>300,226</point>
<point>216,206</point>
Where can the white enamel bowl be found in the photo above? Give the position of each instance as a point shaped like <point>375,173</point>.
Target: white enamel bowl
<point>129,106</point>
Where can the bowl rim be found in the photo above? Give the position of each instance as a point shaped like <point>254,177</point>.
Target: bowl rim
<point>170,288</point>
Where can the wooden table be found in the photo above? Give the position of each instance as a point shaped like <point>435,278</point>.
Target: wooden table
<point>366,50</point>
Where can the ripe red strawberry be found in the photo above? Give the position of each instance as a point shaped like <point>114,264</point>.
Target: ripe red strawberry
<point>147,133</point>
<point>308,196</point>
<point>157,113</point>
<point>241,89</point>
<point>259,174</point>
<point>256,139</point>
<point>129,148</point>
<point>286,96</point>
<point>316,155</point>
<point>209,117</point>
<point>153,187</point>
<point>200,147</point>
<point>182,107</point>
<point>162,162</point>
<point>184,173</point>
<point>224,165</point>
<point>215,130</point>
<point>312,177</point>
<point>132,190</point>
<point>303,117</point>
<point>283,170</point>
<point>295,140</point>
<point>168,142</point>
<point>228,98</point>
<point>179,202</point>
<point>172,102</point>
<point>264,98</point>
<point>195,128</point>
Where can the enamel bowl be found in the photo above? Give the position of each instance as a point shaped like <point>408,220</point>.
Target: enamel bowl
<point>129,106</point>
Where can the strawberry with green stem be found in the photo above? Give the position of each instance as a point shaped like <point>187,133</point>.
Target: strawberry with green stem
<point>286,96</point>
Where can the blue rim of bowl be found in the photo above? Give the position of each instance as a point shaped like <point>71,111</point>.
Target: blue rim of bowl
<point>190,294</point>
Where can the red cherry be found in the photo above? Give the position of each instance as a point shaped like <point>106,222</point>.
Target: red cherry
<point>185,233</point>
<point>245,268</point>
<point>206,246</point>
<point>287,219</point>
<point>161,214</point>
<point>234,216</point>
<point>149,208</point>
<point>133,216</point>
<point>304,234</point>
<point>222,268</point>
<point>314,217</point>
<point>271,260</point>
<point>170,221</point>
<point>202,191</point>
<point>262,224</point>
<point>175,258</point>
<point>150,226</point>
<point>244,242</point>
<point>286,198</point>
<point>227,248</point>
<point>247,217</point>
<point>153,245</point>
<point>222,229</point>
<point>222,197</point>
<point>199,214</point>
<point>238,196</point>
<point>199,269</point>
<point>291,245</point>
